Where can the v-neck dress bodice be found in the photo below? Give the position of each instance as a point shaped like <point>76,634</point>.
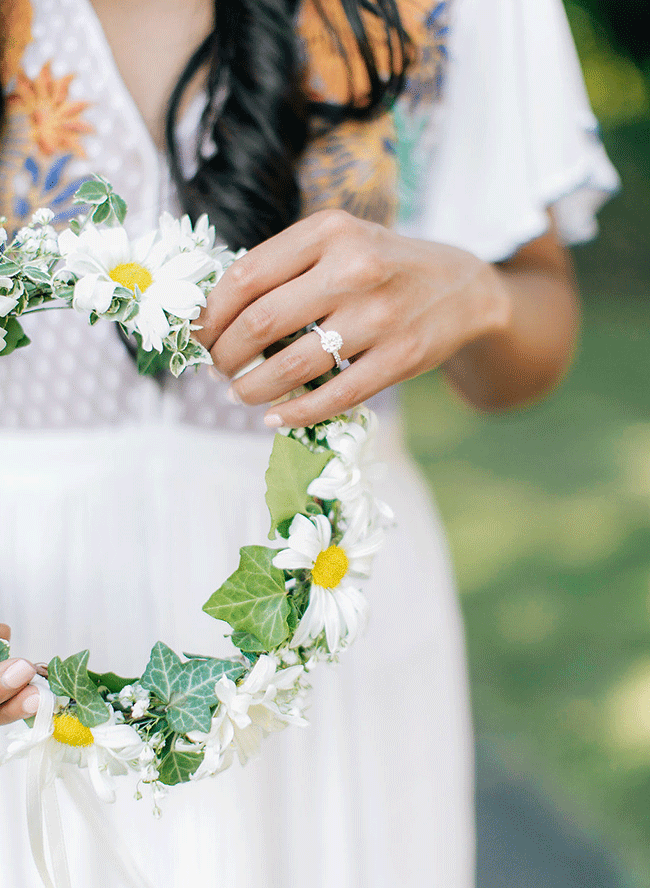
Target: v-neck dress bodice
<point>69,115</point>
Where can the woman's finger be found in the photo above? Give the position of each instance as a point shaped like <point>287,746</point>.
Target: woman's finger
<point>369,374</point>
<point>298,364</point>
<point>14,675</point>
<point>23,705</point>
<point>282,312</point>
<point>274,262</point>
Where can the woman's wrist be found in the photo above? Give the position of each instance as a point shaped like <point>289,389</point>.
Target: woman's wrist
<point>526,329</point>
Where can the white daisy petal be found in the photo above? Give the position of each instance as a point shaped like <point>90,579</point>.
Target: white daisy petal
<point>304,537</point>
<point>91,293</point>
<point>324,529</point>
<point>152,324</point>
<point>332,620</point>
<point>290,559</point>
<point>191,267</point>
<point>100,784</point>
<point>178,297</point>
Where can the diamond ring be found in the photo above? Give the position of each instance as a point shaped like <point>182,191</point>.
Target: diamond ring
<point>331,342</point>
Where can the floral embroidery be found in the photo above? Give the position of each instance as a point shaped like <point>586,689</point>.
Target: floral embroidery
<point>15,35</point>
<point>371,169</point>
<point>43,132</point>
<point>354,168</point>
<point>55,121</point>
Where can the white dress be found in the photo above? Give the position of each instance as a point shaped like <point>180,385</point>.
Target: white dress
<point>97,552</point>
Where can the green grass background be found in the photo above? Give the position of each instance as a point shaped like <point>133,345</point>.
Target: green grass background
<point>548,515</point>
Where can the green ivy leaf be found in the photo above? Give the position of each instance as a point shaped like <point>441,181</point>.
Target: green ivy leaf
<point>70,678</point>
<point>204,674</point>
<point>152,363</point>
<point>37,275</point>
<point>292,468</point>
<point>102,212</point>
<point>119,208</point>
<point>15,336</point>
<point>253,599</point>
<point>183,337</point>
<point>163,672</point>
<point>4,649</point>
<point>178,767</point>
<point>186,689</point>
<point>177,364</point>
<point>113,683</point>
<point>9,269</point>
<point>91,192</point>
<point>247,643</point>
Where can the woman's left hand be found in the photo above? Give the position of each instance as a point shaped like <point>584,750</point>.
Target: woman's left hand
<point>402,306</point>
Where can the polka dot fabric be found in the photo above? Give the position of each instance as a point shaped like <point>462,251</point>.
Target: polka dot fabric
<point>73,375</point>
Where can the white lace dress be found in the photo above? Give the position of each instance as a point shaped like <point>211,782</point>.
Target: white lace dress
<point>97,552</point>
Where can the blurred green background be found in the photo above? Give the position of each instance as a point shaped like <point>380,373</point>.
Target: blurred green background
<point>548,510</point>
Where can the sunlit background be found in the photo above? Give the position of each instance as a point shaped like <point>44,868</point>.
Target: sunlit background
<point>548,513</point>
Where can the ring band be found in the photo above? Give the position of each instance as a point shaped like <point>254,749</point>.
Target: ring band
<point>331,342</point>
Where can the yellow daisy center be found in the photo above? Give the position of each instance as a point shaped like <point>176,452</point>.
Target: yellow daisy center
<point>132,275</point>
<point>69,730</point>
<point>330,567</point>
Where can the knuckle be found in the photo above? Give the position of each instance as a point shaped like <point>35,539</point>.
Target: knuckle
<point>294,368</point>
<point>344,393</point>
<point>333,222</point>
<point>258,322</point>
<point>240,273</point>
<point>366,270</point>
<point>386,313</point>
<point>410,352</point>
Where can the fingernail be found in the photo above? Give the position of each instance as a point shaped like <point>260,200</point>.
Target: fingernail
<point>233,397</point>
<point>273,421</point>
<point>30,705</point>
<point>18,674</point>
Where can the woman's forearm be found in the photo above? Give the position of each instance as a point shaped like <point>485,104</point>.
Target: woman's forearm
<point>524,360</point>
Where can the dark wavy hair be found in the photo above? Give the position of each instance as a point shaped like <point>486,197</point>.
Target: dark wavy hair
<point>257,119</point>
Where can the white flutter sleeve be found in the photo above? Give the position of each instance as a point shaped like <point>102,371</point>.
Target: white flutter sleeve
<point>517,134</point>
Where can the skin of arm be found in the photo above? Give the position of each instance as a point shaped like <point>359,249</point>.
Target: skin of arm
<point>525,360</point>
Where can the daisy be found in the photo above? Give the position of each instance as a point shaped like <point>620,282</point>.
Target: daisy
<point>7,302</point>
<point>106,750</point>
<point>351,474</point>
<point>269,699</point>
<point>163,281</point>
<point>334,605</point>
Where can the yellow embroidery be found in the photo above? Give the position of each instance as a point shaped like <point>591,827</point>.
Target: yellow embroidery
<point>15,35</point>
<point>355,167</point>
<point>328,77</point>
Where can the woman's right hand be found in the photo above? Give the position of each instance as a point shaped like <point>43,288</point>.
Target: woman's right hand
<point>18,699</point>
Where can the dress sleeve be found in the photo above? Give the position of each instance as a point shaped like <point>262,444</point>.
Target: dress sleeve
<point>517,134</point>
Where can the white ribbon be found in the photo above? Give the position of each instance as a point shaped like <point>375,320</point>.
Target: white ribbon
<point>44,818</point>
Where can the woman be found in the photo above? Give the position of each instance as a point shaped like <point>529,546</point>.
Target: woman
<point>492,163</point>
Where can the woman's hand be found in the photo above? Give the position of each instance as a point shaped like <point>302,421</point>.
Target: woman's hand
<point>402,306</point>
<point>503,333</point>
<point>17,698</point>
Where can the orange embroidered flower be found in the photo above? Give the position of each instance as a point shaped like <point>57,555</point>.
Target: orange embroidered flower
<point>329,78</point>
<point>56,122</point>
<point>15,35</point>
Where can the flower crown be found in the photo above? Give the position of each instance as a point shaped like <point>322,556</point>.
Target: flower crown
<point>290,605</point>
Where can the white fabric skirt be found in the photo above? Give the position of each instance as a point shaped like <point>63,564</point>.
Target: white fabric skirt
<point>114,539</point>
